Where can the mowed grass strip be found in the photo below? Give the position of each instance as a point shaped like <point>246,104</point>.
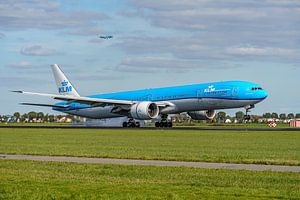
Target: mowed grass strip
<point>212,146</point>
<point>45,180</point>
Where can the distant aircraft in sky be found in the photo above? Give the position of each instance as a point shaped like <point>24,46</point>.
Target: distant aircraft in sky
<point>106,37</point>
<point>200,101</point>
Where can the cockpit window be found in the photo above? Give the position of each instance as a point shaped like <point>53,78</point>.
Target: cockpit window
<point>256,88</point>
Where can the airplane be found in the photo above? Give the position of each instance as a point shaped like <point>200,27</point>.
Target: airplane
<point>199,101</point>
<point>106,37</point>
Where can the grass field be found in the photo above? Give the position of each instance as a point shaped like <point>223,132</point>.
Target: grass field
<point>45,180</point>
<point>213,146</point>
<point>238,125</point>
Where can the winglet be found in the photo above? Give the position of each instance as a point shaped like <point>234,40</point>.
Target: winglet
<point>64,86</point>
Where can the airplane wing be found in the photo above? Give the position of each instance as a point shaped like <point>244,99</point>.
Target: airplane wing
<point>87,100</point>
<point>45,105</point>
<point>83,100</point>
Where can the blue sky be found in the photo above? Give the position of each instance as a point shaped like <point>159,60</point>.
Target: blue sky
<point>155,44</point>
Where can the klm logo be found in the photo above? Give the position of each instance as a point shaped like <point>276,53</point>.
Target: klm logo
<point>210,88</point>
<point>64,87</point>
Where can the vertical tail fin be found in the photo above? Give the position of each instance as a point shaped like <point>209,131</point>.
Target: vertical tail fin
<point>64,86</point>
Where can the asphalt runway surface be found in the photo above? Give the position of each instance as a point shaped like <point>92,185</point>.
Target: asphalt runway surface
<point>208,165</point>
<point>154,128</point>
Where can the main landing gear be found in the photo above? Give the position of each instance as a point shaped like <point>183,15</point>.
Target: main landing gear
<point>164,123</point>
<point>131,123</point>
<point>247,117</point>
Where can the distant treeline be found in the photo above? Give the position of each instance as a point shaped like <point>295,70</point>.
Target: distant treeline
<point>36,117</point>
<point>220,117</point>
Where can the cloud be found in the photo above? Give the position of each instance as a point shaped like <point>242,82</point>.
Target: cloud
<point>45,14</point>
<point>2,35</point>
<point>25,68</point>
<point>210,50</point>
<point>85,31</point>
<point>18,82</point>
<point>21,65</point>
<point>218,30</point>
<point>227,17</point>
<point>37,50</point>
<point>256,51</point>
<point>166,65</point>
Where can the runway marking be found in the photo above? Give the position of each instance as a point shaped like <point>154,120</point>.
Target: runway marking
<point>208,165</point>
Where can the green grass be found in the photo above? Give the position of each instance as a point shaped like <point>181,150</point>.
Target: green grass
<point>45,180</point>
<point>34,124</point>
<point>212,146</point>
<point>231,125</point>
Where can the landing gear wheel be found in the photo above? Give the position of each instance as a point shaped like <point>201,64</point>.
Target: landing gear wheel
<point>131,123</point>
<point>137,124</point>
<point>163,124</point>
<point>247,117</point>
<point>157,124</point>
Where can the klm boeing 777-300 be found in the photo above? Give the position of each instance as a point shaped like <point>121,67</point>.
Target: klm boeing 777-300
<point>200,101</point>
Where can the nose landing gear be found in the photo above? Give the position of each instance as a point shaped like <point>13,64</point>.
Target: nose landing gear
<point>247,117</point>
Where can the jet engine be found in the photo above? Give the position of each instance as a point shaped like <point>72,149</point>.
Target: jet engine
<point>202,115</point>
<point>144,110</point>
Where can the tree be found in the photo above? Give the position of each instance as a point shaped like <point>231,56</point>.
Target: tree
<point>24,117</point>
<point>282,116</point>
<point>267,115</point>
<point>17,115</point>
<point>51,118</point>
<point>297,116</point>
<point>274,115</point>
<point>291,116</point>
<point>221,116</point>
<point>40,115</point>
<point>32,115</point>
<point>239,115</point>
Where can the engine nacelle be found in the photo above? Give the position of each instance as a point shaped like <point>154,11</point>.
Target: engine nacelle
<point>203,115</point>
<point>144,110</point>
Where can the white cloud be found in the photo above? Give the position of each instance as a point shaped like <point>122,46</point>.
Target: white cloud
<point>256,51</point>
<point>164,64</point>
<point>21,65</point>
<point>45,14</point>
<point>85,31</point>
<point>37,50</point>
<point>219,30</point>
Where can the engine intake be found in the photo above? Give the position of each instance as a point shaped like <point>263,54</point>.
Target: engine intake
<point>144,110</point>
<point>202,115</point>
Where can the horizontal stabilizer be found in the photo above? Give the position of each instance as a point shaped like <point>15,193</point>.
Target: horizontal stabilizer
<point>45,105</point>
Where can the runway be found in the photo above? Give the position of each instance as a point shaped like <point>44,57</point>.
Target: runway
<point>154,128</point>
<point>253,167</point>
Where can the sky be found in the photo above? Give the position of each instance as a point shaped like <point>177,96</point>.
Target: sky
<point>155,44</point>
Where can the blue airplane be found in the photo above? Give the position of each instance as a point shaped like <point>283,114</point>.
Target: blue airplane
<point>106,37</point>
<point>200,101</point>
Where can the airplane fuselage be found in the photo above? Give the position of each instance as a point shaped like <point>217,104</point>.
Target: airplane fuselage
<point>187,98</point>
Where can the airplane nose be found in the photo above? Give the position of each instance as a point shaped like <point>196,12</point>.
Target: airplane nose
<point>264,94</point>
